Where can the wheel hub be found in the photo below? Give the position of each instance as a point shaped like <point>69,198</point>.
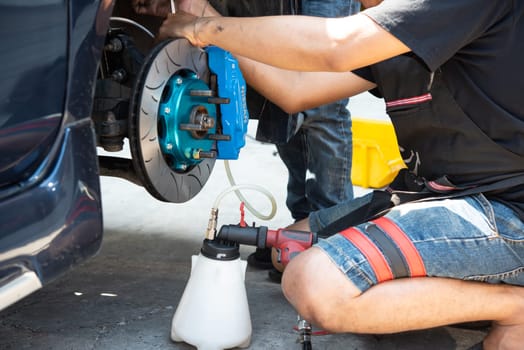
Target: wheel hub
<point>185,119</point>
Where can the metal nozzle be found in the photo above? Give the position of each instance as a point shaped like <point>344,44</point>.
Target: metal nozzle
<point>305,331</point>
<point>212,224</point>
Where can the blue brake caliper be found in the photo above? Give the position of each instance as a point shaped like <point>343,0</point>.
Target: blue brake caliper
<point>190,126</point>
<point>234,115</point>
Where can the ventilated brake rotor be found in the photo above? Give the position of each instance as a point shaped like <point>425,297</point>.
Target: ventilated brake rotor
<point>171,120</point>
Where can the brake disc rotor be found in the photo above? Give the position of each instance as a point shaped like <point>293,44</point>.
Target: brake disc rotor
<point>169,119</point>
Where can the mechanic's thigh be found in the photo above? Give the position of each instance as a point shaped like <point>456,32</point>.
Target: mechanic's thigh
<point>468,238</point>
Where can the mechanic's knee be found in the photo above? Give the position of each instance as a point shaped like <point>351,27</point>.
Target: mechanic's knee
<point>310,284</point>
<point>297,288</point>
<point>295,279</point>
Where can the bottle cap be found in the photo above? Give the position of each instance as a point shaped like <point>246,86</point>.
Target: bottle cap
<point>220,250</point>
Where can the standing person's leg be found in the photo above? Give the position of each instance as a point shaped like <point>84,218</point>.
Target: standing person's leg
<point>295,158</point>
<point>330,8</point>
<point>469,252</point>
<point>318,157</point>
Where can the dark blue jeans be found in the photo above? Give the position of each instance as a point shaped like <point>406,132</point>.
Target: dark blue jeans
<point>318,157</point>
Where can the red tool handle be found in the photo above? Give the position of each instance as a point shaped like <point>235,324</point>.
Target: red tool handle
<point>289,243</point>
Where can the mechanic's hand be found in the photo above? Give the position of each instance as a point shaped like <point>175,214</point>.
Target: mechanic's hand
<point>301,225</point>
<point>160,8</point>
<point>183,23</point>
<point>179,25</point>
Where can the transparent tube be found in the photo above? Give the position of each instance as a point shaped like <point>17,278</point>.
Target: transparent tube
<point>213,218</point>
<point>236,188</point>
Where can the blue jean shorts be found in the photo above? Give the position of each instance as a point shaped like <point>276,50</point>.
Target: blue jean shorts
<point>470,238</point>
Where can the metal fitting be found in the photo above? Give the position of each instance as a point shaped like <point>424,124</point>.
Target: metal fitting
<point>212,224</point>
<point>304,332</point>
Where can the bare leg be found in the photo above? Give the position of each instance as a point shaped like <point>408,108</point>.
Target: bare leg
<point>324,296</point>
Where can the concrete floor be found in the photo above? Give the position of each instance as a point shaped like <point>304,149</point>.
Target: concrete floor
<point>125,297</point>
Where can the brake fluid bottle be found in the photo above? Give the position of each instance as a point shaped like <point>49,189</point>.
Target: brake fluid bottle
<point>213,313</point>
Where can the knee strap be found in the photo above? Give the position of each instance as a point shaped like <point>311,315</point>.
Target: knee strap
<point>388,250</point>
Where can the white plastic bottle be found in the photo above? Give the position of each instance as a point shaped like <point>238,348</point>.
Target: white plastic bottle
<point>213,313</point>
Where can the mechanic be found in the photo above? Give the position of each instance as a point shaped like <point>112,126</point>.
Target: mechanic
<point>318,155</point>
<point>449,248</point>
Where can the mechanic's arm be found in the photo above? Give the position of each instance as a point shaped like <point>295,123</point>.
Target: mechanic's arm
<point>291,42</point>
<point>293,91</point>
<point>298,91</point>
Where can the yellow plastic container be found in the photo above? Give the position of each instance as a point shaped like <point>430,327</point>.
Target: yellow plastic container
<point>376,157</point>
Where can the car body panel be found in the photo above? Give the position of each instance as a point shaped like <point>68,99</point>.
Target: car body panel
<point>32,88</point>
<point>50,206</point>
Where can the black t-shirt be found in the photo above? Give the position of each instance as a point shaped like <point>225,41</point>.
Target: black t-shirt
<point>478,45</point>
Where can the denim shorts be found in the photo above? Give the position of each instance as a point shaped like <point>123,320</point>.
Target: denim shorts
<point>470,238</point>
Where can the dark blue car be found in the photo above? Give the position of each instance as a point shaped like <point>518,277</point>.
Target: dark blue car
<point>85,75</point>
<point>50,206</point>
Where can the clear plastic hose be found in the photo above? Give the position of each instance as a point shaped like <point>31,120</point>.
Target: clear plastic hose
<point>261,189</point>
<point>213,218</point>
<point>236,188</point>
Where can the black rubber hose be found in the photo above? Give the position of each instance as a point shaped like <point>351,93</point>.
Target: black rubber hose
<point>255,236</point>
